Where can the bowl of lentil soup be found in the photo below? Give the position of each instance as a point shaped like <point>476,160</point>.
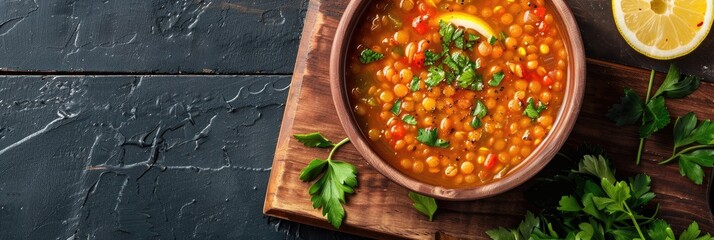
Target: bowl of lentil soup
<point>458,100</point>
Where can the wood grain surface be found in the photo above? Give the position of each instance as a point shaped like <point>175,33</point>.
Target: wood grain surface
<point>381,209</point>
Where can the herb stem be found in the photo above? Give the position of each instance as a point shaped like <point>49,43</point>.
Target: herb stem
<point>634,221</point>
<point>647,99</point>
<point>563,155</point>
<point>675,156</point>
<point>334,149</point>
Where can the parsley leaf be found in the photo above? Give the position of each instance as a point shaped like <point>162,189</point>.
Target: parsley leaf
<point>480,109</point>
<point>368,56</point>
<point>476,122</point>
<point>696,156</point>
<point>686,131</point>
<point>497,78</point>
<point>597,166</point>
<point>672,87</point>
<point>660,230</point>
<point>334,179</point>
<point>479,112</point>
<point>431,58</point>
<point>492,40</point>
<point>328,192</point>
<point>446,30</point>
<point>569,204</point>
<point>469,79</point>
<point>690,164</point>
<point>655,117</point>
<point>524,230</point>
<point>313,140</point>
<point>397,107</point>
<point>628,111</point>
<point>313,170</point>
<point>414,85</point>
<point>435,76</point>
<point>532,111</point>
<point>430,137</point>
<point>692,233</point>
<point>425,205</point>
<point>409,119</point>
<point>471,41</point>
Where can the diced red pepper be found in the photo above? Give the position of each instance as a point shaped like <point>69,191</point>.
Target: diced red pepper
<point>398,131</point>
<point>547,81</point>
<point>532,76</point>
<point>540,12</point>
<point>490,162</point>
<point>418,61</point>
<point>421,24</point>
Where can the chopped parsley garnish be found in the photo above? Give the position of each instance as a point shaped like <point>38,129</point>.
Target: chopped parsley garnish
<point>446,30</point>
<point>397,107</point>
<point>457,66</point>
<point>469,79</point>
<point>471,41</point>
<point>334,179</point>
<point>368,56</point>
<point>435,76</point>
<point>431,58</point>
<point>492,40</point>
<point>414,85</point>
<point>532,111</point>
<point>497,78</point>
<point>480,109</point>
<point>409,119</point>
<point>479,112</point>
<point>430,137</point>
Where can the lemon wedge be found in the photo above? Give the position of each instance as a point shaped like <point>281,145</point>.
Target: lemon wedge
<point>663,29</point>
<point>467,21</point>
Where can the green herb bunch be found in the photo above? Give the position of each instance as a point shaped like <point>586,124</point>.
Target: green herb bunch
<point>590,203</point>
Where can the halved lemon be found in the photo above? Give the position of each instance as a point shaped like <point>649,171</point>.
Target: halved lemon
<point>663,29</point>
<point>465,20</point>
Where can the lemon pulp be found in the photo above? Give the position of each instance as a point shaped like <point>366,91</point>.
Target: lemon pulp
<point>663,29</point>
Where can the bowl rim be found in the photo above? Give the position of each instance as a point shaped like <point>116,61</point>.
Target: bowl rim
<point>525,170</point>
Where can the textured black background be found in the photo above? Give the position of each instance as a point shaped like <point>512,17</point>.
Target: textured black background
<point>141,119</point>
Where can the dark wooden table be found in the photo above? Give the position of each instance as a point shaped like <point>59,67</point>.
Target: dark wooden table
<point>157,119</point>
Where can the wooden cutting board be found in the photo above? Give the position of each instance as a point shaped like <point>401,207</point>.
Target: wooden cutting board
<point>381,209</point>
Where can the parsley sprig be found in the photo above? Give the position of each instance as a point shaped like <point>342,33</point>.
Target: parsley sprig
<point>652,111</point>
<point>334,178</point>
<point>590,203</point>
<point>699,143</point>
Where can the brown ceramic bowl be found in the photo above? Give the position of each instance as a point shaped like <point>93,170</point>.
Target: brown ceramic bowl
<point>531,165</point>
